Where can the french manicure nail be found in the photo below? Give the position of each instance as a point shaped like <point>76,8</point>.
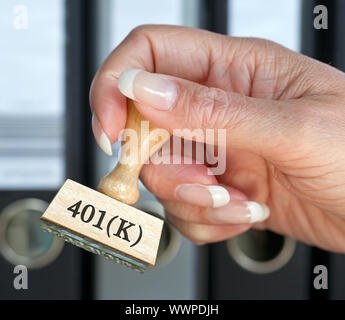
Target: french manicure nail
<point>148,88</point>
<point>101,138</point>
<point>202,195</point>
<point>238,212</point>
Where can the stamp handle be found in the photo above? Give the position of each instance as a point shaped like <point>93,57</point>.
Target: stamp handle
<point>141,139</point>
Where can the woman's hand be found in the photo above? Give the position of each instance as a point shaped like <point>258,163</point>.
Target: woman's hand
<point>284,116</point>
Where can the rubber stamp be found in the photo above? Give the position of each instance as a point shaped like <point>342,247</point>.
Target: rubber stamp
<point>104,222</point>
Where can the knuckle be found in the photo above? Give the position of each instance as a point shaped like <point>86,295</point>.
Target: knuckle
<point>139,35</point>
<point>139,30</point>
<point>215,108</point>
<point>267,49</point>
<point>212,108</point>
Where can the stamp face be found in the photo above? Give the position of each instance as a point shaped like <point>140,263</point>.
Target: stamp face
<point>109,222</point>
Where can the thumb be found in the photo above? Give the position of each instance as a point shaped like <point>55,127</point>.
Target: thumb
<point>251,124</point>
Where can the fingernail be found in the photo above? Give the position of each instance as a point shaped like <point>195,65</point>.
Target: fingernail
<point>238,212</point>
<point>101,138</point>
<point>202,195</point>
<point>148,88</point>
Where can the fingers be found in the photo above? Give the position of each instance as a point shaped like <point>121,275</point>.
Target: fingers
<point>176,104</point>
<point>195,55</point>
<point>151,48</point>
<point>204,225</point>
<point>239,67</point>
<point>187,192</point>
<point>235,212</point>
<point>202,233</point>
<point>198,206</point>
<point>187,183</point>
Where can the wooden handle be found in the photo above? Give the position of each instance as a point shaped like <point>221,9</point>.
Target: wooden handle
<point>142,141</point>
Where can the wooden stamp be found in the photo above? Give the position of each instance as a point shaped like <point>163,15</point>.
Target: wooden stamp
<point>104,222</point>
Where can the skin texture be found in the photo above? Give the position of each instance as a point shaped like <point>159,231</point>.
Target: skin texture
<point>285,119</point>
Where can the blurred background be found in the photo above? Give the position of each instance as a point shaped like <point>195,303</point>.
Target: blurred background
<point>49,54</point>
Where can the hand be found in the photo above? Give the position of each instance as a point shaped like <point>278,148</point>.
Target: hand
<point>284,116</point>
